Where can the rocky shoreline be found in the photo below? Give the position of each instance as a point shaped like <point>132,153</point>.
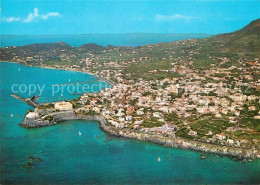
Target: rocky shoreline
<point>239,153</point>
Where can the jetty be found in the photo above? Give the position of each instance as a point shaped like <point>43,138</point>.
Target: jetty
<point>29,101</point>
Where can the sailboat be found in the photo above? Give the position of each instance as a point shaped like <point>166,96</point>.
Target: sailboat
<point>159,159</point>
<point>79,133</point>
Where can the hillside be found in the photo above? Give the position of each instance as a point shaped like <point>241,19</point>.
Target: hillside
<point>198,54</point>
<point>245,40</point>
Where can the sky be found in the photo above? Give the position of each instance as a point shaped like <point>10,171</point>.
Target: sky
<point>56,17</point>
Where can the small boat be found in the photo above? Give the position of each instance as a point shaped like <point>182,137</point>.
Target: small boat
<point>27,165</point>
<point>19,69</point>
<point>34,158</point>
<point>203,156</point>
<point>69,79</point>
<point>79,133</point>
<point>159,159</point>
<point>12,115</point>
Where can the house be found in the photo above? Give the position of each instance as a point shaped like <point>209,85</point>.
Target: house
<point>138,122</point>
<point>157,115</point>
<point>230,141</point>
<point>96,109</point>
<point>63,106</point>
<point>116,124</point>
<point>105,112</point>
<point>128,118</point>
<point>218,115</point>
<point>120,113</point>
<point>192,133</point>
<point>237,113</point>
<point>140,112</point>
<point>252,108</point>
<point>224,111</point>
<point>130,110</point>
<point>169,128</point>
<point>220,136</point>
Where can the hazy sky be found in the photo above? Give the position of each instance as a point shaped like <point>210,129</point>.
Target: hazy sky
<point>37,17</point>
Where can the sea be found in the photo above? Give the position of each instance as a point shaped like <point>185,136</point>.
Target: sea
<point>130,39</point>
<point>95,157</point>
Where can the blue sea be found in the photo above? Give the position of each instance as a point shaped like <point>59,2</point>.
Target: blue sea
<point>87,159</point>
<point>133,39</point>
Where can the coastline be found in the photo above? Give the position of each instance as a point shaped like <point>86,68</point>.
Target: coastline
<point>174,142</point>
<point>151,137</point>
<point>110,82</point>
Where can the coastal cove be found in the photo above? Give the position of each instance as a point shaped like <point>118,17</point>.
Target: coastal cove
<point>238,153</point>
<point>89,158</point>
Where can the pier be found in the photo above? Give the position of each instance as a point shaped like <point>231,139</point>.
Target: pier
<point>29,101</point>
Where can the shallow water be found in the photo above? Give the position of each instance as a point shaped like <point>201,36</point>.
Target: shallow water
<point>70,158</point>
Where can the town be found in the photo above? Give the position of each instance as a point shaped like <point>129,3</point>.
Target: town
<point>195,89</point>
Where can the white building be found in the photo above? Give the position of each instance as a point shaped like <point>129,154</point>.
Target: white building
<point>63,106</point>
<point>220,136</point>
<point>32,115</point>
<point>230,141</point>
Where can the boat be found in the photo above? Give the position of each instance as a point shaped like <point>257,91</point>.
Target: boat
<point>19,69</point>
<point>203,156</point>
<point>12,115</point>
<point>79,133</point>
<point>69,79</point>
<point>159,159</point>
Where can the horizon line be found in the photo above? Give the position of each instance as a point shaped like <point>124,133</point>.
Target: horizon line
<point>109,34</point>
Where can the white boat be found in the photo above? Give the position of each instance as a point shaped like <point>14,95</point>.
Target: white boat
<point>12,115</point>
<point>19,69</point>
<point>69,79</point>
<point>159,159</point>
<point>79,133</point>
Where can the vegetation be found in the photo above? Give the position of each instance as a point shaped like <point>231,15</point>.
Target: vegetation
<point>46,106</point>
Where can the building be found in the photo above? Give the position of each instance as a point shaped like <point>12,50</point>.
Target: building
<point>192,133</point>
<point>220,136</point>
<point>63,106</point>
<point>168,128</point>
<point>32,115</point>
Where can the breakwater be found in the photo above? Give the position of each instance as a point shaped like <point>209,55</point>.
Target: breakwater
<point>175,142</point>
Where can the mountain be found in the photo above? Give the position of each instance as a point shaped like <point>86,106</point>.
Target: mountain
<point>246,39</point>
<point>47,46</point>
<point>203,54</point>
<point>92,47</point>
